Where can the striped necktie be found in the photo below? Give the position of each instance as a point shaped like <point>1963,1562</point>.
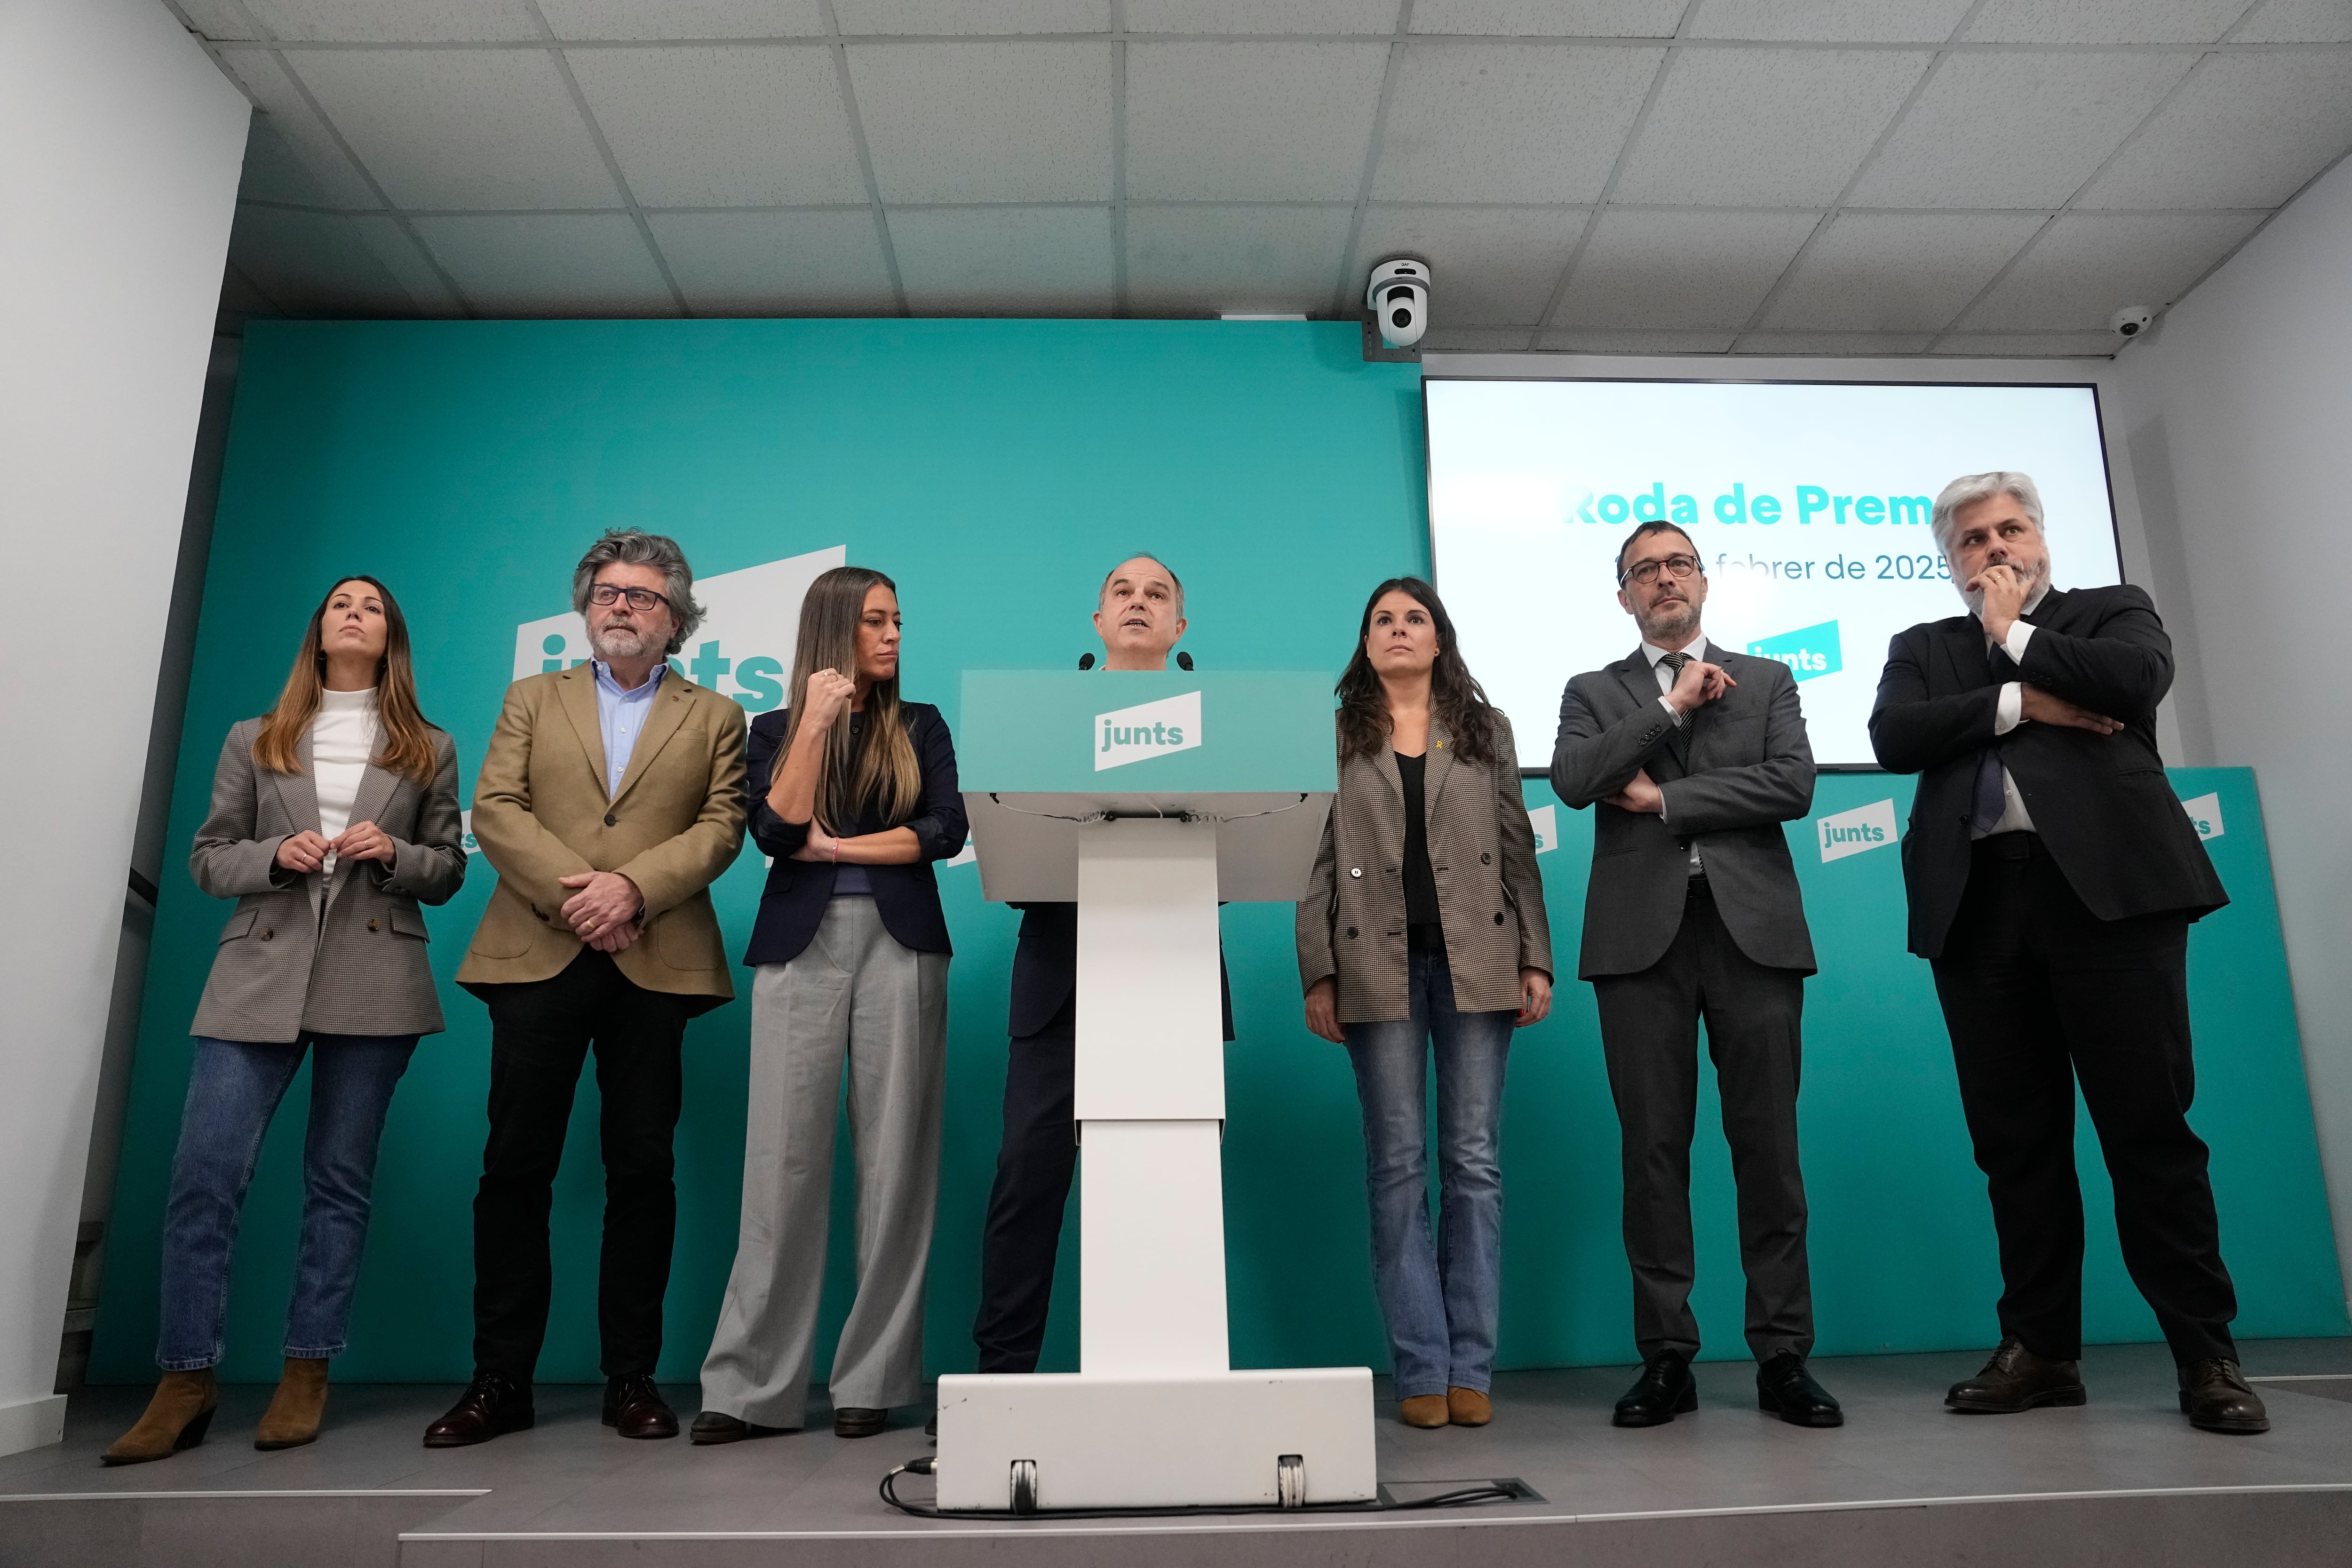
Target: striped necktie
<point>1682,736</point>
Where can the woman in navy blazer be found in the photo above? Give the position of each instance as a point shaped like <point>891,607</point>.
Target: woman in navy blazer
<point>853,793</point>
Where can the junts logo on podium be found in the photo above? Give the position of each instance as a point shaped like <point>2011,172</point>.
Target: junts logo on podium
<point>1148,729</point>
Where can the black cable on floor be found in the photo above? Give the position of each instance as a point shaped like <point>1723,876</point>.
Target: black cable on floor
<point>1463,1497</point>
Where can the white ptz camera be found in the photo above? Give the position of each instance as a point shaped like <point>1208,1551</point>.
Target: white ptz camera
<point>2131,321</point>
<point>1398,299</point>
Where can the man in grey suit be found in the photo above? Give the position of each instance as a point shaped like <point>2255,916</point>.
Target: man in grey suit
<point>1697,756</point>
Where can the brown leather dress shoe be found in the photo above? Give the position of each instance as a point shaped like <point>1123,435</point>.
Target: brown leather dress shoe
<point>1424,1410</point>
<point>298,1406</point>
<point>2215,1398</point>
<point>491,1407</point>
<point>177,1417</point>
<point>634,1408</point>
<point>851,1421</point>
<point>1468,1407</point>
<point>2015,1379</point>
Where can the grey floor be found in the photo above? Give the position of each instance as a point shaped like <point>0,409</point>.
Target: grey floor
<point>571,1478</point>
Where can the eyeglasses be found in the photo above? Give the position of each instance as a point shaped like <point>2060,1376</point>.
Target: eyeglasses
<point>1647,572</point>
<point>640,599</point>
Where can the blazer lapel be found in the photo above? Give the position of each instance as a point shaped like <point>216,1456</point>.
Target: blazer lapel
<point>1962,649</point>
<point>669,706</point>
<point>298,792</point>
<point>1638,677</point>
<point>1437,769</point>
<point>1383,761</point>
<point>377,786</point>
<point>577,692</point>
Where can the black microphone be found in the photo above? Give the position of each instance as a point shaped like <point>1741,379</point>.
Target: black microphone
<point>1184,662</point>
<point>1085,661</point>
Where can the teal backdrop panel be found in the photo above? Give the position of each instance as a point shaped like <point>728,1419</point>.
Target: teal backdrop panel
<point>997,470</point>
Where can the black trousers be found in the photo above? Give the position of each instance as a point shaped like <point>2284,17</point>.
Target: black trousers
<point>1025,1203</point>
<point>541,1034</point>
<point>1649,1036</point>
<point>2040,994</point>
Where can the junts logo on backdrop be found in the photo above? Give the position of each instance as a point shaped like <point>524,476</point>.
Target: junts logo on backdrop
<point>744,648</point>
<point>1808,651</point>
<point>1147,729</point>
<point>1851,832</point>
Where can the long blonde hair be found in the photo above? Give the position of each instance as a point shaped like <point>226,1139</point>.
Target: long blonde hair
<point>407,738</point>
<point>878,780</point>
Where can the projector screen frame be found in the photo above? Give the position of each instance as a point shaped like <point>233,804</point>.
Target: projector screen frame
<point>2098,422</point>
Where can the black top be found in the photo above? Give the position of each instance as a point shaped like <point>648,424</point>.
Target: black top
<point>2101,803</point>
<point>1425,931</point>
<point>906,897</point>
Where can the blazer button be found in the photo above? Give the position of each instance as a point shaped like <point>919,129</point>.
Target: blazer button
<point>1355,872</point>
<point>1484,859</point>
<point>1499,917</point>
<point>1351,931</point>
<point>610,821</point>
<point>265,933</point>
<point>372,925</point>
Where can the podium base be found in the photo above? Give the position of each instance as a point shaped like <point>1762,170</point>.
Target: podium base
<point>1076,1440</point>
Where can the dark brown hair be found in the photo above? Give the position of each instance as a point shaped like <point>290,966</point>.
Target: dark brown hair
<point>1455,697</point>
<point>406,747</point>
<point>878,780</point>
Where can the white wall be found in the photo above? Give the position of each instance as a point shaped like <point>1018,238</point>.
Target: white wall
<point>2237,412</point>
<point>121,145</point>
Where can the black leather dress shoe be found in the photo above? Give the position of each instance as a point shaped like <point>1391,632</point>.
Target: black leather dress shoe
<point>2215,1398</point>
<point>849,1421</point>
<point>490,1406</point>
<point>713,1426</point>
<point>1785,1388</point>
<point>634,1408</point>
<point>2016,1379</point>
<point>1664,1390</point>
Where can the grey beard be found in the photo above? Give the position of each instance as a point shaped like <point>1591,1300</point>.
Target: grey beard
<point>1671,632</point>
<point>617,643</point>
<point>1975,601</point>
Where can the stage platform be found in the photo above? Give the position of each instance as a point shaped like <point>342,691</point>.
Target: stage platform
<point>2123,1480</point>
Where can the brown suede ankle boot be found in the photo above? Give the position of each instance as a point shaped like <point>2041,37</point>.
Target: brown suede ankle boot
<point>293,1418</point>
<point>176,1418</point>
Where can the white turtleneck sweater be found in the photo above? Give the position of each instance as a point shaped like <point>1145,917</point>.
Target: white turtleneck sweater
<point>342,738</point>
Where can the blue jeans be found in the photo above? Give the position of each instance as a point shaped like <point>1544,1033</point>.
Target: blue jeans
<point>232,1091</point>
<point>1441,1302</point>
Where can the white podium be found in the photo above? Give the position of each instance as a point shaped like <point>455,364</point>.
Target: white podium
<point>1149,799</point>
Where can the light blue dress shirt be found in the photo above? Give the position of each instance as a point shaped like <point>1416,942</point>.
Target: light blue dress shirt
<point>622,716</point>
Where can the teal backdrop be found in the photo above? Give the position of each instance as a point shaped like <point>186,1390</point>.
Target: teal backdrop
<point>996,470</point>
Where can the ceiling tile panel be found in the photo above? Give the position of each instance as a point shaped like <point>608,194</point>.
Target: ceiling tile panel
<point>2298,22</point>
<point>1842,343</point>
<point>2103,21</point>
<point>299,137</point>
<point>1500,122</point>
<point>1896,271</point>
<point>312,264</point>
<point>2015,129</point>
<point>217,18</point>
<point>1550,18</point>
<point>1764,127</point>
<point>391,242</point>
<point>724,127</point>
<point>2029,345</point>
<point>461,127</point>
<point>1690,271</point>
<point>1198,261</point>
<point>1249,121</point>
<point>1006,261</point>
<point>1827,21</point>
<point>683,18</point>
<point>1474,340</point>
<point>2087,265</point>
<point>395,21</point>
<point>2244,131</point>
<point>986,122</point>
<point>550,264</point>
<point>776,264</point>
<point>1587,340</point>
<point>960,17</point>
<point>1489,267</point>
<point>1261,15</point>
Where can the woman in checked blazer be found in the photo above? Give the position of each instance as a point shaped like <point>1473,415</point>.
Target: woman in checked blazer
<point>334,817</point>
<point>1423,927</point>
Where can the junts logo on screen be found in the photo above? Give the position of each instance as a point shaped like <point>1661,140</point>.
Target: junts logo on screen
<point>744,648</point>
<point>1147,729</point>
<point>1808,652</point>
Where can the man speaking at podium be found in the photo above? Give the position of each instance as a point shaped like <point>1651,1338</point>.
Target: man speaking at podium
<point>1139,615</point>
<point>2051,876</point>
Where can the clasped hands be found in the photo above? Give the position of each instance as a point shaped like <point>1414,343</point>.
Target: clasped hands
<point>605,912</point>
<point>306,851</point>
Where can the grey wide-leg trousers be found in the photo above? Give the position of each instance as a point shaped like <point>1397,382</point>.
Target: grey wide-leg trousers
<point>853,996</point>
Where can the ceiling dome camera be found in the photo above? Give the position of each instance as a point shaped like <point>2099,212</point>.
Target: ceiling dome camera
<point>2131,321</point>
<point>1398,299</point>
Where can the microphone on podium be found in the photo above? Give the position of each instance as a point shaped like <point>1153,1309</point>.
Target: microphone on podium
<point>1085,661</point>
<point>1184,662</point>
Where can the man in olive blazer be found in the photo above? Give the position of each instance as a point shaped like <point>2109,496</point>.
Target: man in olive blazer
<point>1695,758</point>
<point>611,796</point>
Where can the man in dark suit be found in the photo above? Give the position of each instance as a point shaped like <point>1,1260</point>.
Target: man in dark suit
<point>1140,614</point>
<point>1697,756</point>
<point>2053,876</point>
